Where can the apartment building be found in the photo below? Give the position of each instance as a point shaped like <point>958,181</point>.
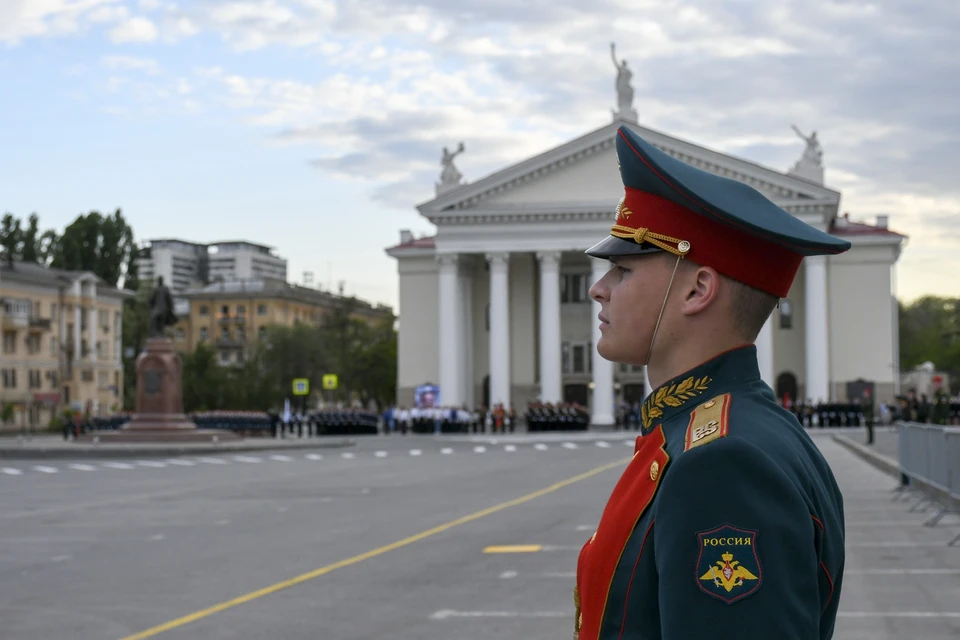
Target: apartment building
<point>62,342</point>
<point>188,265</point>
<point>230,315</point>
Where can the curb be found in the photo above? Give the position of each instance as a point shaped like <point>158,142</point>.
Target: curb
<point>128,451</point>
<point>884,463</point>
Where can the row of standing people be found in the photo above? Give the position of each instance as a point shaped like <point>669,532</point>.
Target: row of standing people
<point>496,419</point>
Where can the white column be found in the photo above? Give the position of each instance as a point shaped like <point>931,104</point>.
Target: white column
<point>92,322</point>
<point>499,328</point>
<point>765,352</point>
<point>602,368</point>
<point>817,345</point>
<point>118,337</point>
<point>451,347</point>
<point>77,322</point>
<point>466,336</point>
<point>551,385</point>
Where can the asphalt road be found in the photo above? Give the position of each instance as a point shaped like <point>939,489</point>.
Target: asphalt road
<point>389,539</point>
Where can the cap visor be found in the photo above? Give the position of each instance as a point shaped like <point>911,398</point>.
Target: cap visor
<point>612,246</point>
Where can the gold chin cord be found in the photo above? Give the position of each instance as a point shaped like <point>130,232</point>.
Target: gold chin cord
<point>662,307</point>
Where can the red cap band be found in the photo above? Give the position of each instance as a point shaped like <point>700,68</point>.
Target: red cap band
<point>733,252</point>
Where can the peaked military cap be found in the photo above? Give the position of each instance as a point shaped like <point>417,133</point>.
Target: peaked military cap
<point>713,221</point>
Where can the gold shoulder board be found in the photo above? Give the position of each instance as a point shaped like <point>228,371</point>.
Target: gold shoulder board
<point>708,422</point>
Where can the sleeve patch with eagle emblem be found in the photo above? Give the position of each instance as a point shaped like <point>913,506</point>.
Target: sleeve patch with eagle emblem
<point>728,567</point>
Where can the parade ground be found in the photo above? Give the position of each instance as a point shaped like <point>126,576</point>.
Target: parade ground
<point>408,538</point>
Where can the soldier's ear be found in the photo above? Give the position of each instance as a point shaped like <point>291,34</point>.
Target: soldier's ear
<point>701,289</point>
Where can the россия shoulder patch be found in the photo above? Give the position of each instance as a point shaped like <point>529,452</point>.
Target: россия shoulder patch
<point>728,567</point>
<point>708,422</point>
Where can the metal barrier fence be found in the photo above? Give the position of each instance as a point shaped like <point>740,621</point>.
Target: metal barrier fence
<point>929,457</point>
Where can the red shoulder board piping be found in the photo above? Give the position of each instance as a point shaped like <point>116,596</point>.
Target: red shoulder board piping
<point>708,422</point>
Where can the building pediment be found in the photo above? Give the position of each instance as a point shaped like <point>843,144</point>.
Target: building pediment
<point>583,174</point>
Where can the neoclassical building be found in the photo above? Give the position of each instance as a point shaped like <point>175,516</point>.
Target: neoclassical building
<point>494,307</point>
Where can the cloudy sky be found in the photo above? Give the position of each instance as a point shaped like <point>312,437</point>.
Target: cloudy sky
<point>315,126</point>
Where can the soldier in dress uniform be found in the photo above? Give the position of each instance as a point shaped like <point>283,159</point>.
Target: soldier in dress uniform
<point>727,523</point>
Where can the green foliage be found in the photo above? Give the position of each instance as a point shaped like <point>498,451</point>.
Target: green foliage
<point>136,330</point>
<point>930,331</point>
<point>362,355</point>
<point>97,243</point>
<point>29,251</point>
<point>10,236</point>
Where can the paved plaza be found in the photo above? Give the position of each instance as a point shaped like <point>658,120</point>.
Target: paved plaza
<point>415,538</point>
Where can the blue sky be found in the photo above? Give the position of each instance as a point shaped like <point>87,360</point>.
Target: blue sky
<point>315,126</point>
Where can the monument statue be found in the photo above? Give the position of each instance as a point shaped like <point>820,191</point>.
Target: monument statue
<point>161,309</point>
<point>810,165</point>
<point>450,176</point>
<point>624,87</point>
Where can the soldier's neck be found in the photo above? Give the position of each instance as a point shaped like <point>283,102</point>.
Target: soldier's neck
<point>667,364</point>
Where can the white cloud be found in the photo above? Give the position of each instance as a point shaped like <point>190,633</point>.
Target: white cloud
<point>130,63</point>
<point>134,30</point>
<point>20,19</point>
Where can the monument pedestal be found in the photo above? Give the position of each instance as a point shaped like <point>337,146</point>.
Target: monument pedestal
<point>159,415</point>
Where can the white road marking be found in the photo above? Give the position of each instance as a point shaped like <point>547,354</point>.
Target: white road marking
<point>510,448</point>
<point>629,443</point>
<point>479,449</point>
<point>223,522</point>
<point>347,456</point>
<point>157,537</point>
<point>887,545</point>
<point>10,471</point>
<point>901,572</point>
<point>117,465</point>
<point>281,458</point>
<point>364,491</point>
<point>83,467</point>
<point>212,460</point>
<point>314,456</point>
<point>585,527</point>
<point>43,469</point>
<point>60,558</point>
<point>250,459</point>
<point>446,451</point>
<point>449,613</point>
<point>898,614</point>
<point>415,452</point>
<point>151,463</point>
<point>381,454</point>
<point>540,446</point>
<point>507,575</point>
<point>569,445</point>
<point>603,444</point>
<point>181,463</point>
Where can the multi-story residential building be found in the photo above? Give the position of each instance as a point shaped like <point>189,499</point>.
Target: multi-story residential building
<point>62,342</point>
<point>187,265</point>
<point>230,315</point>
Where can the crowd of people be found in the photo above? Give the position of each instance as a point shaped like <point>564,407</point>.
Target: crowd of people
<point>403,420</point>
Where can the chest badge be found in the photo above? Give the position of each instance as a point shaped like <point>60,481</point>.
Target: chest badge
<point>728,567</point>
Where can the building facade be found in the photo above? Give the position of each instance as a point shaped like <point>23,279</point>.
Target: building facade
<point>189,265</point>
<point>494,308</point>
<point>232,315</point>
<point>62,342</point>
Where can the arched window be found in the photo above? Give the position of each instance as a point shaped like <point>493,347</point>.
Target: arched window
<point>786,314</point>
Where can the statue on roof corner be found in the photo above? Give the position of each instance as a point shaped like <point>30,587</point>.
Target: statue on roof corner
<point>810,165</point>
<point>450,176</point>
<point>625,110</point>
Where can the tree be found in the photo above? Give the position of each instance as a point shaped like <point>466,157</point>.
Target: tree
<point>930,331</point>
<point>136,329</point>
<point>30,241</point>
<point>10,236</point>
<point>101,244</point>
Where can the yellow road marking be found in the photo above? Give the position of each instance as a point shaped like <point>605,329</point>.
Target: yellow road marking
<point>514,548</point>
<point>316,573</point>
